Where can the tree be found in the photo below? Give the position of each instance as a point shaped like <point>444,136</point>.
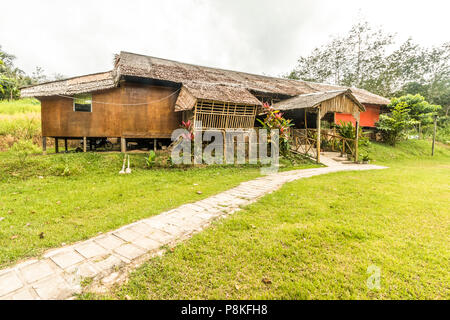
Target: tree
<point>394,126</point>
<point>360,59</point>
<point>12,78</point>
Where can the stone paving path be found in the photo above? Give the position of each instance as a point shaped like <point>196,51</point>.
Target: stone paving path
<point>59,273</point>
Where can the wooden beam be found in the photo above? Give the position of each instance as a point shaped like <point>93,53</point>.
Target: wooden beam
<point>84,144</point>
<point>56,145</point>
<point>44,145</point>
<point>123,145</point>
<point>318,133</point>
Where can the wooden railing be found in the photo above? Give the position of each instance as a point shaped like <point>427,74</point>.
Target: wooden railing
<point>305,141</point>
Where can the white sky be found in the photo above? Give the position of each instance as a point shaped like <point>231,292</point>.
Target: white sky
<point>80,37</point>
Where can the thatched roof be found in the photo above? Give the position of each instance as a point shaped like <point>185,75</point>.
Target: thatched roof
<point>311,100</point>
<point>202,82</point>
<point>75,85</point>
<point>362,95</point>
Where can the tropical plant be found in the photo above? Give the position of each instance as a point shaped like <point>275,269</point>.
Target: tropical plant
<point>394,126</point>
<point>418,109</point>
<point>274,120</point>
<point>150,161</point>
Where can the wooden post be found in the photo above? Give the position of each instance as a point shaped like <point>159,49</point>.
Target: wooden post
<point>356,140</point>
<point>84,144</point>
<point>224,147</point>
<point>56,145</point>
<point>44,145</point>
<point>65,145</point>
<point>123,145</point>
<point>434,135</point>
<point>318,134</point>
<point>306,122</point>
<point>154,144</point>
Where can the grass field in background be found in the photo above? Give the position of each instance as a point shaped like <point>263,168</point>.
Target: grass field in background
<point>318,238</point>
<point>28,105</point>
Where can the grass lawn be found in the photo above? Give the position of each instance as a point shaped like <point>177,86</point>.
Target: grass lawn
<point>317,237</point>
<point>71,197</point>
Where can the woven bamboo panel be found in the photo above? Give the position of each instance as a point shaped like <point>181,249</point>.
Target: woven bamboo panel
<point>223,115</point>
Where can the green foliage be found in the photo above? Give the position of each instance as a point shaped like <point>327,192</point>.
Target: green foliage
<point>274,120</point>
<point>22,149</point>
<point>346,129</point>
<point>151,159</point>
<point>360,59</point>
<point>419,110</point>
<point>27,105</point>
<point>394,126</point>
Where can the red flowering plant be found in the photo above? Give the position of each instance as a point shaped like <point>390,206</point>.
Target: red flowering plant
<point>274,120</point>
<point>189,127</point>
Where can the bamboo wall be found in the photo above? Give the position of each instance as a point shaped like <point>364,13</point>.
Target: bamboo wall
<point>222,115</point>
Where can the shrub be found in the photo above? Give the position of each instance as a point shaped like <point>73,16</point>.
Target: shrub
<point>24,148</point>
<point>393,126</point>
<point>150,161</point>
<point>274,120</point>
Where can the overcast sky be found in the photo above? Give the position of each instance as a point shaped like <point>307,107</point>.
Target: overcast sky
<point>80,37</point>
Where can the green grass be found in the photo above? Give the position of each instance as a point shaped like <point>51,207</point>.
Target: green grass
<point>317,237</point>
<point>71,197</point>
<point>19,106</point>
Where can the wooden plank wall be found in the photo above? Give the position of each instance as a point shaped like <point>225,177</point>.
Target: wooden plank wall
<point>109,118</point>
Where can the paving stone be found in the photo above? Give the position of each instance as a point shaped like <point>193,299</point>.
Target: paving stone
<point>54,288</point>
<point>127,234</point>
<point>67,258</point>
<point>23,294</point>
<point>9,282</point>
<point>147,243</point>
<point>84,270</point>
<point>109,242</point>
<point>108,263</point>
<point>36,271</point>
<point>129,251</point>
<point>90,249</point>
<point>141,228</point>
<point>161,236</point>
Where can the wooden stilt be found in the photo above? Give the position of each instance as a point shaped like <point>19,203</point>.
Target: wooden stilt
<point>123,145</point>
<point>318,133</point>
<point>44,145</point>
<point>65,145</point>
<point>84,144</point>
<point>154,144</point>
<point>56,145</point>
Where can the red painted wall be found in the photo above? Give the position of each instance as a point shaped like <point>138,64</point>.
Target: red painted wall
<point>367,118</point>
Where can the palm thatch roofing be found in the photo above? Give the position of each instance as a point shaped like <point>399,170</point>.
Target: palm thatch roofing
<point>88,83</point>
<point>311,100</point>
<point>201,82</point>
